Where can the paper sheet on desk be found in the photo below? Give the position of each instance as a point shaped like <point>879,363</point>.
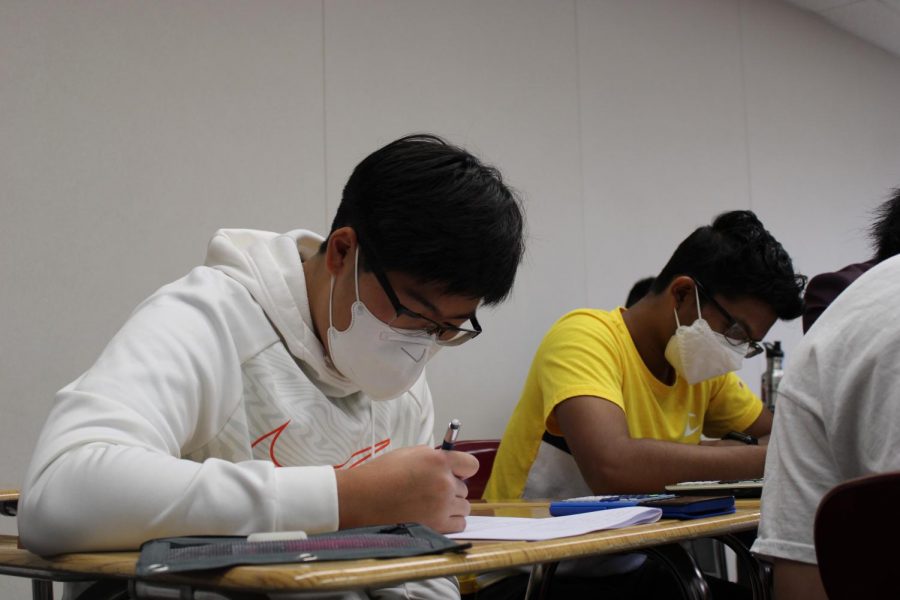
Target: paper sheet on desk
<point>519,528</point>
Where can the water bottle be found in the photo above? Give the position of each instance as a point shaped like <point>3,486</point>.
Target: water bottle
<point>771,377</point>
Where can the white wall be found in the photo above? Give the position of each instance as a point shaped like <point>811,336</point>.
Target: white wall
<point>132,130</point>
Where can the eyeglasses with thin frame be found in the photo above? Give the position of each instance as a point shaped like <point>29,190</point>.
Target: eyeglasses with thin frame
<point>735,334</point>
<point>445,333</point>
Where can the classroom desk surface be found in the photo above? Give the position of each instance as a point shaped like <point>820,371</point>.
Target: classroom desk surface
<point>483,556</point>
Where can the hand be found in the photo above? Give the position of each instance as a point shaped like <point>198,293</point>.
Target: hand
<point>417,484</point>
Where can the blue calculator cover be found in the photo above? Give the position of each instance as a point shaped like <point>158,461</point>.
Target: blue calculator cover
<point>673,506</point>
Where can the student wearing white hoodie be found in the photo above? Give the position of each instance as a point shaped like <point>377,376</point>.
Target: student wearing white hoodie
<point>281,385</point>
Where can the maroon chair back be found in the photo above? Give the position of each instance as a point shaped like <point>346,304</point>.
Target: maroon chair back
<point>485,451</point>
<point>855,528</point>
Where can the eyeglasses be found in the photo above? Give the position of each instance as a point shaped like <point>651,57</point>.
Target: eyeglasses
<point>735,335</point>
<point>445,333</point>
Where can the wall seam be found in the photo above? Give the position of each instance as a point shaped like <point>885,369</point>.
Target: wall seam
<point>744,102</point>
<point>324,127</point>
<point>582,199</point>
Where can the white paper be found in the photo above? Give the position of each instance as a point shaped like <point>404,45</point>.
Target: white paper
<point>523,528</point>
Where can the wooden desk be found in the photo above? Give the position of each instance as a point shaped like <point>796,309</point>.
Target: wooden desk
<point>483,556</point>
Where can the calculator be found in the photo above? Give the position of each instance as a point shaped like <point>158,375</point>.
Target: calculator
<point>739,488</point>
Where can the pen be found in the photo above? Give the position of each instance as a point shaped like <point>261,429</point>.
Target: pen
<point>451,435</point>
<point>741,437</point>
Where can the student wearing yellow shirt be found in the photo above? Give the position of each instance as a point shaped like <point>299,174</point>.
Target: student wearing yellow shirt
<point>616,401</point>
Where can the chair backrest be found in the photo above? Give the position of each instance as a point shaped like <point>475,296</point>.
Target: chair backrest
<point>485,451</point>
<point>856,524</point>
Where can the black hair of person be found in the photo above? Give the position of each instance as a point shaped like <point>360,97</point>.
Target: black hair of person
<point>737,257</point>
<point>638,291</point>
<point>435,212</point>
<point>885,231</point>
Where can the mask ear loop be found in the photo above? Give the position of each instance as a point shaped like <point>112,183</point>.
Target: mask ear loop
<point>330,297</point>
<point>372,428</point>
<point>331,288</point>
<point>697,296</point>
<point>356,272</point>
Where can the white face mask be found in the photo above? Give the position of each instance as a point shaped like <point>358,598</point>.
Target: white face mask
<point>698,353</point>
<point>378,359</point>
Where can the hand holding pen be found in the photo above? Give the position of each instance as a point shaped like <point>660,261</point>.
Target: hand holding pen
<point>412,484</point>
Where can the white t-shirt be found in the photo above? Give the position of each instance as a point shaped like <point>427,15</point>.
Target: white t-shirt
<point>838,411</point>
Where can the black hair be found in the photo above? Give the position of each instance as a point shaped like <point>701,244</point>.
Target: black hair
<point>638,291</point>
<point>885,231</point>
<point>426,208</point>
<point>737,257</point>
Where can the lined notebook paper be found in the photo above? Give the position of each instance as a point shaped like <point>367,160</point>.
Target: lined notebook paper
<point>519,528</point>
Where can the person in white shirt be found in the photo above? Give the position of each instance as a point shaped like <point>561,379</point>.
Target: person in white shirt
<point>281,386</point>
<point>837,416</point>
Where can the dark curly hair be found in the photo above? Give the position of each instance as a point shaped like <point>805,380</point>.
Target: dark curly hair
<point>885,231</point>
<point>737,257</point>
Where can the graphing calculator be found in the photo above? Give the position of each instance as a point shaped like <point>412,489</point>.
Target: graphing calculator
<point>739,488</point>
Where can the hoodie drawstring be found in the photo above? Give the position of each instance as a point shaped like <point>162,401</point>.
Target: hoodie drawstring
<point>372,425</point>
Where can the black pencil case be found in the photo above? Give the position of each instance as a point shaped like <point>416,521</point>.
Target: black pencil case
<point>195,553</point>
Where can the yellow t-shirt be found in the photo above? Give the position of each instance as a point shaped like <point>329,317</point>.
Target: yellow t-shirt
<point>590,353</point>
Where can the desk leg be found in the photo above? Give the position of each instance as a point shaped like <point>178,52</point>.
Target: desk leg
<point>41,589</point>
<point>539,580</point>
<point>754,569</point>
<point>677,560</point>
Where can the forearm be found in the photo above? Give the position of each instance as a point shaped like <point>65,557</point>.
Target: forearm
<point>102,497</point>
<point>646,465</point>
<point>797,581</point>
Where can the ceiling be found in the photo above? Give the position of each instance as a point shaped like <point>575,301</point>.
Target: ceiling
<point>876,21</point>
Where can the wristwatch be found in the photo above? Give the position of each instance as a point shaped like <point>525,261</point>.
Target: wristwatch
<point>741,437</point>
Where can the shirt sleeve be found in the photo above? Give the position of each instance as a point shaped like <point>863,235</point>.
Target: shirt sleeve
<point>107,472</point>
<point>578,357</point>
<point>732,406</point>
<point>799,472</point>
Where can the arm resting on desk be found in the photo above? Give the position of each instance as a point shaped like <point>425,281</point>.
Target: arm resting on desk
<point>103,497</point>
<point>107,471</point>
<point>612,461</point>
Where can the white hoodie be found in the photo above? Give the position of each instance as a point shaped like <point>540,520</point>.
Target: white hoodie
<point>196,419</point>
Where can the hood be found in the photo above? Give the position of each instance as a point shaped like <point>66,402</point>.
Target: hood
<point>270,266</point>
